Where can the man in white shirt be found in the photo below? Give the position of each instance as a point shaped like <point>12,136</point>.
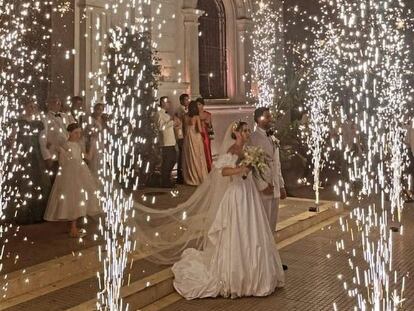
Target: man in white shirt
<point>54,136</point>
<point>76,112</point>
<point>271,186</point>
<point>165,124</point>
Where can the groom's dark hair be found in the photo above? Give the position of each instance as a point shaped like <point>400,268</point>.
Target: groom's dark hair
<point>259,112</point>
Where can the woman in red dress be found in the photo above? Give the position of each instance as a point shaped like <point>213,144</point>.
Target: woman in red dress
<point>207,128</point>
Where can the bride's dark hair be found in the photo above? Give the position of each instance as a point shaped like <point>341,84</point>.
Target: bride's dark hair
<point>237,127</point>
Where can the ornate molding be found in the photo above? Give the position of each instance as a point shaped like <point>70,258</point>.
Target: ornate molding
<point>92,3</point>
<point>191,15</point>
<point>190,4</point>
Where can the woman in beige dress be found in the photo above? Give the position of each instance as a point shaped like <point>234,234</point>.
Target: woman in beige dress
<point>194,160</point>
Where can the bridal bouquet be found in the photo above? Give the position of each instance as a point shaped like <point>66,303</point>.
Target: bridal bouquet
<point>255,157</point>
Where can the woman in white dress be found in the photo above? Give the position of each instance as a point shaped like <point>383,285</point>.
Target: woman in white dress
<point>75,192</point>
<point>239,257</point>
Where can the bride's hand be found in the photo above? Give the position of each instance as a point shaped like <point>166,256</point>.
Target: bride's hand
<point>244,170</point>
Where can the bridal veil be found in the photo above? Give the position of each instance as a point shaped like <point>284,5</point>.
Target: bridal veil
<point>165,234</point>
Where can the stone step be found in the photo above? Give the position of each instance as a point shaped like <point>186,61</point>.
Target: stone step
<point>78,282</point>
<point>140,293</point>
<point>39,276</point>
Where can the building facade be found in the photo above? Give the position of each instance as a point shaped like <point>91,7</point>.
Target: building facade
<point>203,46</point>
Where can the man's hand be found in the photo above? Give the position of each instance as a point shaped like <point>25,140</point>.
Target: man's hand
<point>177,121</point>
<point>269,190</point>
<point>283,194</point>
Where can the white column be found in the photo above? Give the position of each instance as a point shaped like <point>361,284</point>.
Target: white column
<point>61,58</point>
<point>243,27</point>
<point>92,32</point>
<point>191,53</point>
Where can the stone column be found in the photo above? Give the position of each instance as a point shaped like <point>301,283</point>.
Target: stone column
<point>91,39</point>
<point>243,49</point>
<point>62,44</point>
<point>191,53</point>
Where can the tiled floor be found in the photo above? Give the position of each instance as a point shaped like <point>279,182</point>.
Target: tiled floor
<point>85,290</point>
<point>317,272</point>
<point>61,299</point>
<point>33,244</point>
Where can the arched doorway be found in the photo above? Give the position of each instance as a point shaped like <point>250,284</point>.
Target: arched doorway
<point>212,49</point>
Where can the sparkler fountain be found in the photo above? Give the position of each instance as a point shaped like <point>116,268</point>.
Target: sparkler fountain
<point>319,103</point>
<point>384,67</point>
<point>267,76</point>
<point>375,56</point>
<point>23,77</point>
<point>129,84</point>
<point>373,87</point>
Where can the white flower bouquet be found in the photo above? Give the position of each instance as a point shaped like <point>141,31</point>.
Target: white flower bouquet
<point>256,159</point>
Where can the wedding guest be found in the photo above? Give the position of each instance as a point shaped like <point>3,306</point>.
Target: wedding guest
<point>179,133</point>
<point>207,131</point>
<point>165,124</point>
<point>94,140</point>
<point>352,145</point>
<point>55,135</point>
<point>77,111</point>
<point>75,192</point>
<point>30,178</point>
<point>409,169</point>
<point>194,160</point>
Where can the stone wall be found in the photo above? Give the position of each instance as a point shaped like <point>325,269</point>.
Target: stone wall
<point>81,37</point>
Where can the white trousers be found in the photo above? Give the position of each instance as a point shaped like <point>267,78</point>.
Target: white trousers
<point>271,207</point>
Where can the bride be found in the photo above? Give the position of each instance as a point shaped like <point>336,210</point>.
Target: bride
<point>219,240</point>
<point>239,257</point>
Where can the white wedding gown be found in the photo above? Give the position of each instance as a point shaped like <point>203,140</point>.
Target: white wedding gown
<point>240,258</point>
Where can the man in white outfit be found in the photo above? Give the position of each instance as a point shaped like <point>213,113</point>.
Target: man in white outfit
<point>54,136</point>
<point>165,123</point>
<point>271,186</point>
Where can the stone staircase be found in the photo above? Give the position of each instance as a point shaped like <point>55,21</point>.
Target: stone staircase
<point>70,282</point>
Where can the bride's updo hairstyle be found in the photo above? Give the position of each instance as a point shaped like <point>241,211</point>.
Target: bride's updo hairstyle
<point>237,126</point>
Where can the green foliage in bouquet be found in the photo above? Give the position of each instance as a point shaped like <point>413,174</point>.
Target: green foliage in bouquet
<point>255,157</point>
<point>132,82</point>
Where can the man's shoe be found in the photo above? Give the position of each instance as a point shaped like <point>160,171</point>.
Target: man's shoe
<point>284,267</point>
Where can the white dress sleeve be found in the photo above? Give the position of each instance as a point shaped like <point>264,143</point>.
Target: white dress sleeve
<point>226,160</point>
